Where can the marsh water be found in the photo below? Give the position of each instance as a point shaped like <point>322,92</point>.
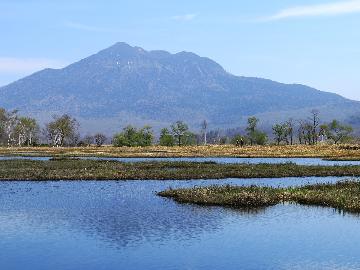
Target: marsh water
<point>221,160</point>
<point>237,160</point>
<point>124,225</point>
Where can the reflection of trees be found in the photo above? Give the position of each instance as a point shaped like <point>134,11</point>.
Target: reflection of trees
<point>122,213</point>
<point>136,221</point>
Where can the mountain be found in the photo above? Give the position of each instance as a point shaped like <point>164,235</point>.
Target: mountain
<point>128,85</point>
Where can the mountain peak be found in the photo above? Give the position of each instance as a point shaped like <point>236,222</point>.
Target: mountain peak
<point>120,48</point>
<point>120,45</point>
<point>124,85</point>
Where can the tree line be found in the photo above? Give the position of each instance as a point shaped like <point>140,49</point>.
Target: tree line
<point>310,131</point>
<point>17,130</point>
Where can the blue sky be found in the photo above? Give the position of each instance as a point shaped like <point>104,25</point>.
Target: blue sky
<point>310,42</point>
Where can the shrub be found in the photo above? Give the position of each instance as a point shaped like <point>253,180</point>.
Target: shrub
<point>131,136</point>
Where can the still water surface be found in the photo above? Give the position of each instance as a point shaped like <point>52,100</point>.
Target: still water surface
<point>124,225</point>
<point>223,160</point>
<point>234,160</point>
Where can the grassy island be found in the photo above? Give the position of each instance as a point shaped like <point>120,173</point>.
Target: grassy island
<point>343,196</point>
<point>77,169</point>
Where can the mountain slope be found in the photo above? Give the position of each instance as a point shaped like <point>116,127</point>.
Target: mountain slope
<point>124,84</point>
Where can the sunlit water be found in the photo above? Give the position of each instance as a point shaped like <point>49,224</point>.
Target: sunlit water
<point>124,225</point>
<point>223,160</point>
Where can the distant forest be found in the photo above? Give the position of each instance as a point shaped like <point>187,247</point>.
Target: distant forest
<point>18,130</point>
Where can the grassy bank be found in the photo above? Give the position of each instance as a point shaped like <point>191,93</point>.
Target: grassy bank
<point>343,159</point>
<point>344,196</point>
<point>68,169</point>
<point>323,151</point>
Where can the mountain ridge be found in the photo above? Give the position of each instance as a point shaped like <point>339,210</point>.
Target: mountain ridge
<point>122,85</point>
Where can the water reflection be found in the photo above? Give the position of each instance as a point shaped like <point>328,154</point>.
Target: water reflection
<point>123,213</point>
<point>124,225</point>
<point>237,160</point>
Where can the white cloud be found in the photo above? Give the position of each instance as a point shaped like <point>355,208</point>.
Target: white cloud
<point>84,27</point>
<point>329,9</point>
<point>186,17</point>
<point>12,65</point>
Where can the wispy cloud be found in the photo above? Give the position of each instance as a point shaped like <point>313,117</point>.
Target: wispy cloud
<point>328,9</point>
<point>184,18</point>
<point>24,65</point>
<point>85,27</point>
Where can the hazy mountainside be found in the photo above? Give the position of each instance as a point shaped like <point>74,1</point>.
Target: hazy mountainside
<point>123,84</point>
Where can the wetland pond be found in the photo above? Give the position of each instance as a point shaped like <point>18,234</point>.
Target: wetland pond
<point>221,160</point>
<point>124,225</point>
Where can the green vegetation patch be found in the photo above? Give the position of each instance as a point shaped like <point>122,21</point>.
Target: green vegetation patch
<point>77,169</point>
<point>343,196</point>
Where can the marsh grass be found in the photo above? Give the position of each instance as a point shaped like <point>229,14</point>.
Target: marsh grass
<point>77,169</point>
<point>323,151</point>
<point>342,195</point>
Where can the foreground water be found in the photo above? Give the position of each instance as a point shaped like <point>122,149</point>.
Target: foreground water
<point>223,160</point>
<point>124,225</point>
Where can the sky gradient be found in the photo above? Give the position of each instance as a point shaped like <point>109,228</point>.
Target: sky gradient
<point>309,42</point>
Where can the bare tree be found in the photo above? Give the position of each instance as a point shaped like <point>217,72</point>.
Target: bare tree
<point>290,130</point>
<point>315,120</point>
<point>21,132</point>
<point>301,131</point>
<point>26,130</point>
<point>88,140</point>
<point>204,126</point>
<point>308,133</point>
<point>11,120</point>
<point>62,130</point>
<point>99,139</point>
<point>305,132</point>
<point>2,124</point>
